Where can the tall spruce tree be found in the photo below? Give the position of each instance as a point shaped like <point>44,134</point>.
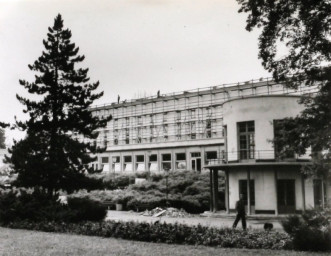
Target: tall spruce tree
<point>49,156</point>
<point>303,27</point>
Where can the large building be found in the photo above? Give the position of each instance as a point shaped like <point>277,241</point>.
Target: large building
<point>227,128</point>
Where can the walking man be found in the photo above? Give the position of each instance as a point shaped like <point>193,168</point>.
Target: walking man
<point>241,214</point>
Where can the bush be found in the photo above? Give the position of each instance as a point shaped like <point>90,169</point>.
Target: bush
<point>37,206</point>
<point>83,209</point>
<point>167,233</point>
<point>311,231</point>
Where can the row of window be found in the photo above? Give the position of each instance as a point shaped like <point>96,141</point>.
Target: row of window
<point>151,119</point>
<point>152,165</point>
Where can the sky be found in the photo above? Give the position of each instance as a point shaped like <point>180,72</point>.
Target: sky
<point>133,47</point>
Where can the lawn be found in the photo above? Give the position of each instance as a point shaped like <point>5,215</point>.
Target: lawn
<point>23,242</point>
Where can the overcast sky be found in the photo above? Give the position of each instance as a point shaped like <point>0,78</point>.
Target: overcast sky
<point>133,47</point>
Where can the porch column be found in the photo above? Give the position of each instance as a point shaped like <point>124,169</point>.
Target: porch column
<point>227,205</point>
<point>303,189</point>
<point>215,192</point>
<point>211,190</point>
<point>276,191</point>
<point>248,191</point>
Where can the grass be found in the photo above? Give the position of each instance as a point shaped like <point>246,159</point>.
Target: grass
<point>32,243</point>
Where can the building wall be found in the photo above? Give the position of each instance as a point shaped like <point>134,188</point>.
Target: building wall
<point>262,110</point>
<point>265,191</point>
<point>168,121</point>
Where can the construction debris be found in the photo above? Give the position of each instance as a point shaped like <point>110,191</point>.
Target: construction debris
<point>169,212</point>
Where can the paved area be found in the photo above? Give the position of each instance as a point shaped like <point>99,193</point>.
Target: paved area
<point>218,221</point>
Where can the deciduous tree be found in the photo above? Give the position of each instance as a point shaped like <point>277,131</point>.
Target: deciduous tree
<point>295,45</point>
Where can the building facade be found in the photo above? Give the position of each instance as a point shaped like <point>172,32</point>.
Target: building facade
<point>178,131</point>
<point>225,129</point>
<point>271,183</point>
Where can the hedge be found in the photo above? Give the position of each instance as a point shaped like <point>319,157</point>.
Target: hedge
<point>166,233</point>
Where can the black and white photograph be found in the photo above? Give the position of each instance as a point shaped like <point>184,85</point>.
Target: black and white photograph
<point>165,127</point>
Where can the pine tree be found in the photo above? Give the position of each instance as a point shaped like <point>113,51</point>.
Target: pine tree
<point>49,157</point>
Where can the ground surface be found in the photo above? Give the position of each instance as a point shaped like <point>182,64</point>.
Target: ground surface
<point>195,220</point>
<point>32,243</point>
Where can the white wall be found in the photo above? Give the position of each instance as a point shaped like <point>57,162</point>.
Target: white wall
<point>265,196</point>
<point>262,110</point>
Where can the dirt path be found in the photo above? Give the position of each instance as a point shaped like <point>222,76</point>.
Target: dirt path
<point>195,220</point>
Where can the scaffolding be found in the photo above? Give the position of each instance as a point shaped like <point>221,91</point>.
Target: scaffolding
<point>187,115</point>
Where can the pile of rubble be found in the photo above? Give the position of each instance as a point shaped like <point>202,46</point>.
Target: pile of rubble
<point>169,212</point>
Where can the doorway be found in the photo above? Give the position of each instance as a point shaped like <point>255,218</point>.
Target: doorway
<point>286,196</point>
<point>196,164</point>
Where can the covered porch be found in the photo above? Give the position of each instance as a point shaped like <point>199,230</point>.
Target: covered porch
<point>270,188</point>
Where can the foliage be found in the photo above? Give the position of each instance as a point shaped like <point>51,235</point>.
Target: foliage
<point>50,156</point>
<point>311,231</point>
<point>37,206</point>
<point>167,233</point>
<point>2,138</point>
<point>83,209</point>
<point>186,190</point>
<point>304,28</point>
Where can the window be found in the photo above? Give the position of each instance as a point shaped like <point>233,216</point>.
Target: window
<point>153,158</point>
<point>165,132</point>
<point>127,136</point>
<point>211,155</point>
<point>193,114</point>
<point>140,122</point>
<point>180,161</point>
<point>166,162</point>
<point>165,117</point>
<point>282,149</point>
<point>178,131</point>
<point>127,121</point>
<point>246,134</point>
<point>128,163</point>
<point>104,160</point>
<point>195,154</point>
<point>178,115</point>
<point>243,190</point>
<point>193,130</point>
<point>140,163</point>
<point>115,123</point>
<point>208,128</point>
<point>152,119</point>
<point>139,135</point>
<point>116,165</point>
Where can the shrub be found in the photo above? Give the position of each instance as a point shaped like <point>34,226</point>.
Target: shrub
<point>37,206</point>
<point>311,231</point>
<point>167,233</point>
<point>83,209</point>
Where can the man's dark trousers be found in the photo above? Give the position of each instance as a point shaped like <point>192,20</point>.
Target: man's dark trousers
<point>242,216</point>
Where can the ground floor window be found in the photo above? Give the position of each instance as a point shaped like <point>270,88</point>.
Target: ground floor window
<point>116,164</point>
<point>153,166</point>
<point>243,190</point>
<point>211,155</point>
<point>128,163</point>
<point>140,163</point>
<point>180,161</point>
<point>166,162</point>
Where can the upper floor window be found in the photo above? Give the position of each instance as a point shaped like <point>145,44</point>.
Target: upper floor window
<point>282,149</point>
<point>178,115</point>
<point>246,140</point>
<point>193,114</point>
